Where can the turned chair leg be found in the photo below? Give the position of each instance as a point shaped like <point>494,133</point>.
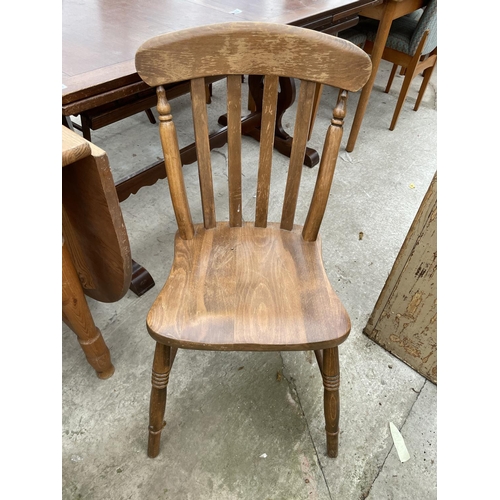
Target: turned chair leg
<point>331,381</point>
<point>425,81</point>
<point>162,364</point>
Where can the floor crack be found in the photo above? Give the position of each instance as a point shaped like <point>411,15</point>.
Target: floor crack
<point>292,386</point>
<point>365,495</point>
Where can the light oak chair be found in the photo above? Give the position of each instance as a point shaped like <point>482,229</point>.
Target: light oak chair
<point>238,285</point>
<point>411,44</point>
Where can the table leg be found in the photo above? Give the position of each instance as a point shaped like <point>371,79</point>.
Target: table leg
<point>378,49</point>
<point>77,316</point>
<point>141,280</point>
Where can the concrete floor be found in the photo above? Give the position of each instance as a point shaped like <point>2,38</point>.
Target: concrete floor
<point>246,425</point>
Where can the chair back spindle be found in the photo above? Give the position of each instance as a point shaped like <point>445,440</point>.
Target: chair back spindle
<point>326,170</point>
<point>173,166</point>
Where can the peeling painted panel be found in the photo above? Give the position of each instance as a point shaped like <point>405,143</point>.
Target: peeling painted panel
<point>404,320</point>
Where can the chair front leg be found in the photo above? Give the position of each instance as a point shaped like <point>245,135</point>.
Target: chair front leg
<point>159,380</point>
<point>331,381</point>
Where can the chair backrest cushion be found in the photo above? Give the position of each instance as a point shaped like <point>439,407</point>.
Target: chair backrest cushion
<point>428,21</point>
<point>407,31</point>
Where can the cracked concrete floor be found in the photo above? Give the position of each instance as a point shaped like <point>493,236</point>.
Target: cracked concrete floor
<point>244,425</point>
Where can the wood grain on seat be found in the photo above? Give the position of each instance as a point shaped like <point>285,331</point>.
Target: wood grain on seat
<point>247,288</point>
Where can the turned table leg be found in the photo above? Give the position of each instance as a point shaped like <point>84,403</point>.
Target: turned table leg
<point>141,280</point>
<point>77,316</point>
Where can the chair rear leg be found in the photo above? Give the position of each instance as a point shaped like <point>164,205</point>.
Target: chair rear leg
<point>331,381</point>
<point>159,380</point>
<point>410,73</point>
<point>425,81</point>
<point>391,78</point>
<point>208,93</point>
<point>151,116</point>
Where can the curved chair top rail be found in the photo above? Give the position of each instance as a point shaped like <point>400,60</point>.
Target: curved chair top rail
<point>304,54</point>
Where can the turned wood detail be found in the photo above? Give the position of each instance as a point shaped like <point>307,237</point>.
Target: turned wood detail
<point>162,364</point>
<point>77,316</point>
<point>331,381</point>
<point>160,380</point>
<point>340,109</point>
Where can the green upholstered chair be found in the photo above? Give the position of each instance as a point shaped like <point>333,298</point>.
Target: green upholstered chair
<point>411,44</point>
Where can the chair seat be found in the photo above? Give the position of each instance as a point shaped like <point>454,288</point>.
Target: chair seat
<point>248,288</point>
<point>354,36</point>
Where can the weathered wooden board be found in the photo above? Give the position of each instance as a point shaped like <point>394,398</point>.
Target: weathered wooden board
<point>404,320</point>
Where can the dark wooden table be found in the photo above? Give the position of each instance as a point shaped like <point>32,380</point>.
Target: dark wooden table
<point>100,39</point>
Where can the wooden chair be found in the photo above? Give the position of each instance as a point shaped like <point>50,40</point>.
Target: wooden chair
<point>411,44</point>
<point>237,285</point>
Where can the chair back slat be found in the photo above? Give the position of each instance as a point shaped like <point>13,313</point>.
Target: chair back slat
<point>301,131</point>
<point>234,148</point>
<point>173,166</point>
<point>271,84</point>
<point>200,121</point>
